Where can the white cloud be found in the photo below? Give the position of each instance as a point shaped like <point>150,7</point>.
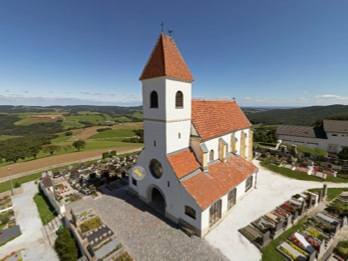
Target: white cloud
<point>305,100</point>
<point>125,100</point>
<point>332,96</point>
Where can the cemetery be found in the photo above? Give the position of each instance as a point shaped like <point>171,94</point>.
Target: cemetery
<point>305,227</point>
<point>268,227</point>
<point>70,184</point>
<point>291,159</point>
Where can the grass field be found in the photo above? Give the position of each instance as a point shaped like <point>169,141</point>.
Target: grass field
<point>300,175</point>
<point>46,211</point>
<point>31,118</point>
<point>6,137</point>
<point>79,120</point>
<point>99,140</point>
<point>313,151</point>
<point>5,186</point>
<point>94,140</point>
<point>331,192</point>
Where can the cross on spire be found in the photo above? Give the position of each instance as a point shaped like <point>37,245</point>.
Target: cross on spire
<point>162,27</point>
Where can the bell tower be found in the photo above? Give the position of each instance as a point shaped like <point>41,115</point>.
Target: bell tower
<point>167,92</point>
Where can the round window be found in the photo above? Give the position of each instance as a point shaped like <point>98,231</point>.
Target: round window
<point>156,168</point>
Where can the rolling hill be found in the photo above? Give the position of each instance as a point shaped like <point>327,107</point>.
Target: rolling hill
<point>298,116</point>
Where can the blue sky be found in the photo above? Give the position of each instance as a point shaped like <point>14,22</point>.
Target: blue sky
<point>263,52</point>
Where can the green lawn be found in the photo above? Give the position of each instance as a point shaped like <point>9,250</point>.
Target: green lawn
<point>300,175</point>
<point>46,211</point>
<point>5,186</point>
<point>313,151</point>
<point>331,192</point>
<point>270,253</point>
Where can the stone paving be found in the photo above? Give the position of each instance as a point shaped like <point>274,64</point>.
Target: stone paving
<point>146,236</point>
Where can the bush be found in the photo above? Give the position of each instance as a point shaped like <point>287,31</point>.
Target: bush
<point>103,129</point>
<point>65,246</point>
<point>343,154</point>
<point>17,184</point>
<point>342,249</point>
<point>68,133</point>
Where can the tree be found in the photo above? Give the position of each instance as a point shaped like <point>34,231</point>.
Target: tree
<point>79,144</point>
<point>51,149</point>
<point>68,133</point>
<point>140,134</point>
<point>65,246</point>
<point>343,154</point>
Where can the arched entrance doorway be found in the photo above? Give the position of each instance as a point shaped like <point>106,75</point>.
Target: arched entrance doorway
<point>157,200</point>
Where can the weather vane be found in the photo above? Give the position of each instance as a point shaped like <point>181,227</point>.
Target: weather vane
<point>162,27</point>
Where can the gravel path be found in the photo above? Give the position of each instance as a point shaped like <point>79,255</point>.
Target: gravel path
<point>31,240</point>
<point>145,236</point>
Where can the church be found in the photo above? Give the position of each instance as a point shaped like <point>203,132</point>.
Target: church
<point>196,162</point>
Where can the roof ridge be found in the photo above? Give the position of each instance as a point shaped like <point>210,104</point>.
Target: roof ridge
<point>214,99</point>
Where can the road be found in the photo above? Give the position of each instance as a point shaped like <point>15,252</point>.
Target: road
<point>28,167</point>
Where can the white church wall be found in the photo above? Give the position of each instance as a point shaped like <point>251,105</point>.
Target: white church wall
<point>154,136</point>
<point>247,144</point>
<point>158,85</point>
<point>213,144</point>
<point>224,207</point>
<point>177,136</point>
<point>175,195</point>
<point>172,112</point>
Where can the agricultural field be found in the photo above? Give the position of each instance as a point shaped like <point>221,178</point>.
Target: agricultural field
<point>112,137</point>
<point>46,131</point>
<point>29,118</point>
<point>7,137</point>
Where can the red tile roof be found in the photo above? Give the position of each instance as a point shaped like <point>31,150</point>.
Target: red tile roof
<point>166,60</point>
<point>183,162</point>
<point>213,118</point>
<point>221,177</point>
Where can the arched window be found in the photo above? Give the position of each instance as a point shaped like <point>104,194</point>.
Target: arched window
<point>156,168</point>
<point>211,155</point>
<point>153,99</point>
<point>179,100</point>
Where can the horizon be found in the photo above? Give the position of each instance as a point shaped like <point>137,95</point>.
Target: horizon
<point>92,53</point>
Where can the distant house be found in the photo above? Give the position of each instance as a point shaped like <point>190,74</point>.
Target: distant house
<point>331,138</point>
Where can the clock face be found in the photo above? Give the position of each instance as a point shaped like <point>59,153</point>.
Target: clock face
<point>138,173</point>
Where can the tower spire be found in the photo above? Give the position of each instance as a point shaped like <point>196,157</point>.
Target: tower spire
<point>166,60</point>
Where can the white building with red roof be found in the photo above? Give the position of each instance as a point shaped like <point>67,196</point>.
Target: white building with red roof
<point>196,163</point>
